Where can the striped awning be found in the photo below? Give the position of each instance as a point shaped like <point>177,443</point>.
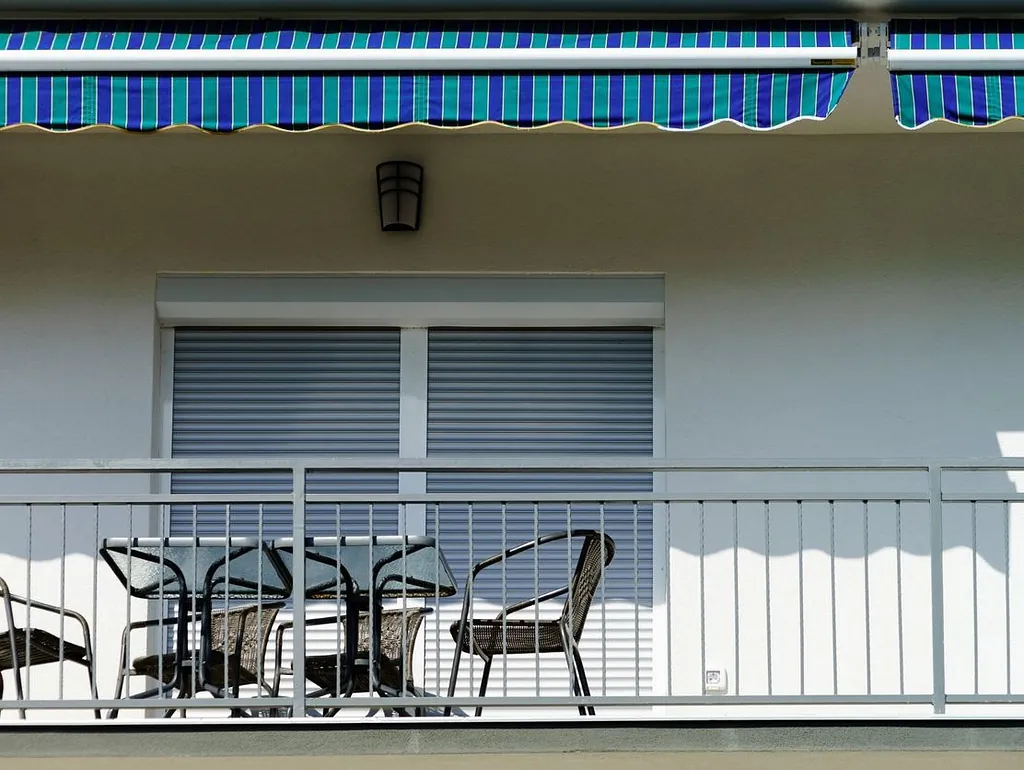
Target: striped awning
<point>231,75</point>
<point>962,71</point>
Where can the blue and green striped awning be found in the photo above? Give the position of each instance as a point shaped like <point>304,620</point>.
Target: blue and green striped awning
<point>376,100</point>
<point>963,96</point>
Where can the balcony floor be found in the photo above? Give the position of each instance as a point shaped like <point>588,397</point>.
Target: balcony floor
<point>595,737</point>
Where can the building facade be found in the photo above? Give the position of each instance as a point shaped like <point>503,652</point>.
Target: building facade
<point>778,370</point>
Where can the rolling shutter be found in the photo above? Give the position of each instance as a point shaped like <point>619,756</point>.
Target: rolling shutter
<point>280,392</point>
<point>548,392</point>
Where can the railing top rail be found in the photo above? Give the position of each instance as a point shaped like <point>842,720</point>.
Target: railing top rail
<point>620,498</point>
<point>508,463</point>
<point>141,498</point>
<point>497,463</point>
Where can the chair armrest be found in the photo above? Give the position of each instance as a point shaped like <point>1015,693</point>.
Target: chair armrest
<point>518,549</point>
<point>34,604</point>
<point>329,620</point>
<point>285,625</point>
<point>279,644</point>
<point>467,600</point>
<point>517,606</point>
<point>152,622</point>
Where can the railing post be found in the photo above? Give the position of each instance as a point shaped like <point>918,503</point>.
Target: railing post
<point>938,614</point>
<point>299,589</point>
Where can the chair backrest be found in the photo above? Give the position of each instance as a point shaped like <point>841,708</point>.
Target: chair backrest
<point>393,624</point>
<point>596,553</point>
<point>249,626</point>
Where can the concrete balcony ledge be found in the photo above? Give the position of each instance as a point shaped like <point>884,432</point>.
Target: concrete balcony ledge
<point>398,738</point>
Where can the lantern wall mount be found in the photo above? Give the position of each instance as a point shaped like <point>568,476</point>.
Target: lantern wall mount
<point>399,195</point>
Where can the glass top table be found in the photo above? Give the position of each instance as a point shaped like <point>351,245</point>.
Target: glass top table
<point>195,572</point>
<point>159,568</point>
<point>361,571</point>
<point>402,566</point>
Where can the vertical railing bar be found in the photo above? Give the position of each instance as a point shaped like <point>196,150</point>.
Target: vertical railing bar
<point>227,594</point>
<point>261,664</point>
<point>867,600</point>
<point>337,599</point>
<point>666,581</point>
<point>736,589</point>
<point>437,598</point>
<point>299,590</point>
<point>604,606</point>
<point>832,588</point>
<point>402,513</point>
<point>161,630</point>
<point>636,598</point>
<point>28,609</point>
<point>94,631</point>
<point>899,592</point>
<point>800,591</point>
<point>974,585</point>
<point>372,588</point>
<point>768,589</point>
<point>568,567</point>
<point>63,597</point>
<point>472,643</point>
<point>504,599</point>
<point>703,602</point>
<point>536,606</point>
<point>937,589</point>
<point>193,642</point>
<point>128,599</point>
<point>1006,594</point>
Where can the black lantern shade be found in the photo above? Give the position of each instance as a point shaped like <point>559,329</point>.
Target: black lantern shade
<point>399,189</point>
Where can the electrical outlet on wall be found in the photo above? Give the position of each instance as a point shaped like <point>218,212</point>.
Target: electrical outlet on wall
<point>715,680</point>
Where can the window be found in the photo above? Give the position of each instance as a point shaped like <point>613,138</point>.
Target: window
<point>441,392</point>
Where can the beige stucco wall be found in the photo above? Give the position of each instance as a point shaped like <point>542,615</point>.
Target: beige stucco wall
<point>885,270</point>
<point>835,296</point>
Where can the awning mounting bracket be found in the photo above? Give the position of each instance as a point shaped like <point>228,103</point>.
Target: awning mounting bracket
<point>874,43</point>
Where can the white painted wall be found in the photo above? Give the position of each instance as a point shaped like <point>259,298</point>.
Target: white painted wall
<point>825,297</point>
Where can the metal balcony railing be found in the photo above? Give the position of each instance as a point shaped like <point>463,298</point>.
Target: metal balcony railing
<point>314,588</point>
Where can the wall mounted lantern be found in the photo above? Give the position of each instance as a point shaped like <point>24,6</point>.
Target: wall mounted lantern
<point>399,190</point>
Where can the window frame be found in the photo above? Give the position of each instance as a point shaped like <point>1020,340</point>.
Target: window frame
<point>414,305</point>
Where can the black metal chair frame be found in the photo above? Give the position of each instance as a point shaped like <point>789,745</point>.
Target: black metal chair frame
<point>569,630</point>
<point>362,656</point>
<point>87,661</point>
<point>183,658</point>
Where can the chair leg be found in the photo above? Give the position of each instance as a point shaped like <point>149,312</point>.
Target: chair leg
<point>453,677</point>
<point>583,677</point>
<point>18,690</point>
<point>574,682</point>
<point>170,712</point>
<point>483,682</point>
<point>118,688</point>
<point>235,689</point>
<point>92,687</point>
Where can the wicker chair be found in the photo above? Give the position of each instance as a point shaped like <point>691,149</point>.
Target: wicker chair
<point>247,630</point>
<point>21,648</point>
<point>329,671</point>
<point>503,636</point>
